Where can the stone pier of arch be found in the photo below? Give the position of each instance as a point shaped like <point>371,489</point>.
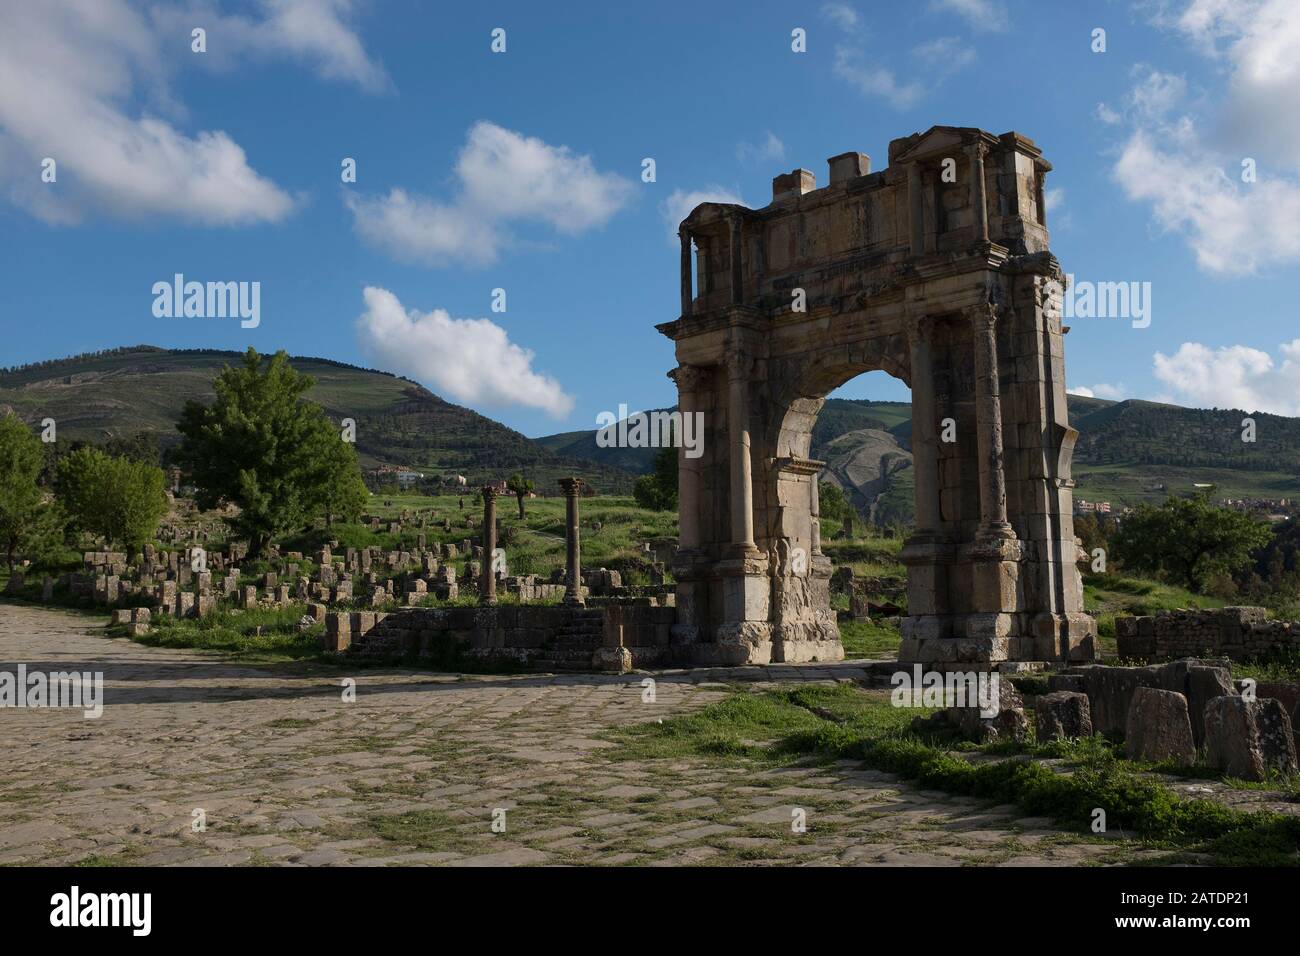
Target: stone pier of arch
<point>936,270</point>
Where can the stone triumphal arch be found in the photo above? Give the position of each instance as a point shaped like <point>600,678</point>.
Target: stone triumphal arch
<point>936,270</point>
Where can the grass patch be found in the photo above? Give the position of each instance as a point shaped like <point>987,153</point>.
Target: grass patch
<point>869,639</point>
<point>832,723</point>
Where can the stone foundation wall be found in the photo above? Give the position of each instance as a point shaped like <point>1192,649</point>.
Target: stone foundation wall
<point>614,637</point>
<point>1238,633</point>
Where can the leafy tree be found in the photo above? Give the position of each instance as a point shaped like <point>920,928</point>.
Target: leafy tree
<point>520,486</point>
<point>261,446</point>
<point>658,490</point>
<point>832,504</point>
<point>1188,540</point>
<point>21,508</point>
<point>345,492</point>
<point>121,499</point>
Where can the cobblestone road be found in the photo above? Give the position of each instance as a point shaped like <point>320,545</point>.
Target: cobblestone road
<point>285,772</point>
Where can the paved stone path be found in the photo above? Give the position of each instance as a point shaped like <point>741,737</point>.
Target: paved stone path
<point>285,772</point>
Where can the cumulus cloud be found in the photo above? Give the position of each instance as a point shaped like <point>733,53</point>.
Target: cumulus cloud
<point>469,360</point>
<point>1233,376</point>
<point>680,202</point>
<point>74,78</point>
<point>1100,390</point>
<point>1233,227</point>
<point>935,59</point>
<point>319,33</point>
<point>1257,44</point>
<point>842,15</point>
<point>770,150</point>
<point>1185,160</point>
<point>503,177</point>
<point>979,14</point>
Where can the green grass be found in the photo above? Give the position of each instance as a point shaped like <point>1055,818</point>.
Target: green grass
<point>232,632</point>
<point>1107,596</point>
<point>869,639</point>
<point>833,723</point>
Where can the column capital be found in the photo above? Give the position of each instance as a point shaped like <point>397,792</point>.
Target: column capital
<point>984,316</point>
<point>739,361</point>
<point>489,492</point>
<point>571,486</point>
<point>687,377</point>
<point>920,329</point>
<point>978,149</point>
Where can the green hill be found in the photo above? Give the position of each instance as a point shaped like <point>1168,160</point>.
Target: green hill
<point>1128,452</point>
<point>118,393</point>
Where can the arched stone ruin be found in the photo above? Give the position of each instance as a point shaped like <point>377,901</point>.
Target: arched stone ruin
<point>936,270</point>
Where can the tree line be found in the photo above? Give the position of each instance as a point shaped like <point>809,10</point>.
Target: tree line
<point>259,446</point>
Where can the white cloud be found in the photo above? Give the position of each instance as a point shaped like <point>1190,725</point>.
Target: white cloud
<point>318,32</point>
<point>680,203</point>
<point>935,59</point>
<point>468,360</point>
<point>503,177</point>
<point>71,73</point>
<point>770,150</point>
<point>1081,390</point>
<point>873,80</point>
<point>1107,115</point>
<point>1100,390</point>
<point>980,14</point>
<point>1233,227</point>
<point>842,15</point>
<point>1234,376</point>
<point>944,55</point>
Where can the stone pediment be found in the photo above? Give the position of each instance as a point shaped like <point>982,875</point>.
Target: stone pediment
<point>936,140</point>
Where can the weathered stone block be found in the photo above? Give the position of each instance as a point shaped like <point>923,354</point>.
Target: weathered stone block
<point>1063,714</point>
<point>1159,728</point>
<point>1247,738</point>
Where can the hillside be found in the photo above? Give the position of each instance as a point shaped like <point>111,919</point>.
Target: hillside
<point>122,392</point>
<point>1128,452</point>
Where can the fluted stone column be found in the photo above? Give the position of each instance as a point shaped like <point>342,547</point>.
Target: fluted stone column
<point>688,379</point>
<point>572,548</point>
<point>487,588</point>
<point>687,295</point>
<point>737,276</point>
<point>815,512</point>
<point>916,210</point>
<point>925,444</point>
<point>742,478</point>
<point>979,198</point>
<point>988,415</point>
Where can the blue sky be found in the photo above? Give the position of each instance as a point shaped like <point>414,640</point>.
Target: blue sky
<point>522,171</point>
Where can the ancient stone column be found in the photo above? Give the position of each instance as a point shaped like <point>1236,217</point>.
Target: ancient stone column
<point>572,548</point>
<point>925,445</point>
<point>988,422</point>
<point>488,579</point>
<point>687,296</point>
<point>688,378</point>
<point>742,482</point>
<point>737,291</point>
<point>815,511</point>
<point>979,199</point>
<point>915,206</point>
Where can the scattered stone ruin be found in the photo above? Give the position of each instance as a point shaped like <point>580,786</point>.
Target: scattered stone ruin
<point>1238,633</point>
<point>1178,712</point>
<point>936,270</point>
